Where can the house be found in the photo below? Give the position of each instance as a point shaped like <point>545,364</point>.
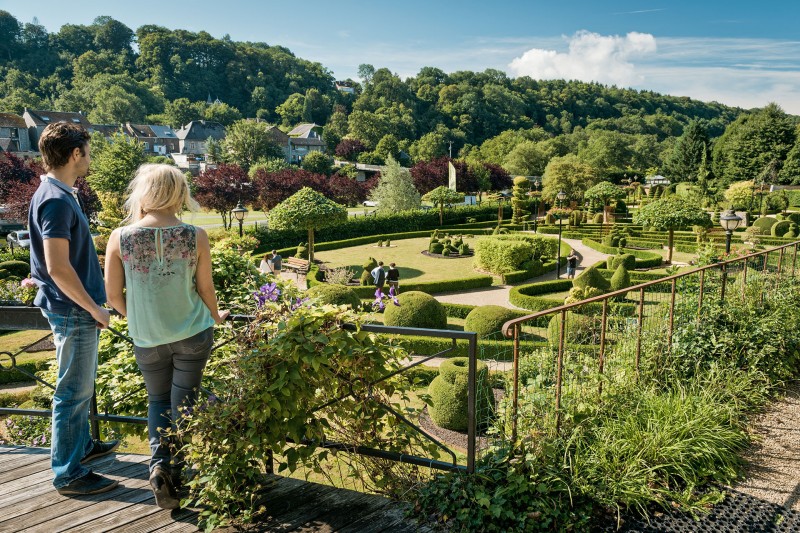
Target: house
<point>14,134</point>
<point>157,140</point>
<point>192,138</point>
<point>36,121</point>
<point>344,87</point>
<point>109,130</point>
<point>304,139</point>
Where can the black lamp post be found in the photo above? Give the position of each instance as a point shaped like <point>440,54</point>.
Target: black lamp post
<point>729,222</point>
<point>561,196</point>
<point>239,212</point>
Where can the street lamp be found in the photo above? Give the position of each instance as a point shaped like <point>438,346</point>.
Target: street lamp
<point>561,196</point>
<point>729,222</point>
<point>239,212</point>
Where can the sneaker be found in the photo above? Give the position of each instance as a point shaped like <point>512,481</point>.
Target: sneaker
<point>163,489</point>
<point>100,449</point>
<point>91,483</point>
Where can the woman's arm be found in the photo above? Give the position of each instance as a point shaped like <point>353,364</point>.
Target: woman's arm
<point>204,281</point>
<point>115,275</point>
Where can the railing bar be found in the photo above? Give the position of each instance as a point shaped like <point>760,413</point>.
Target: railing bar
<point>559,366</point>
<point>601,361</point>
<point>640,325</point>
<point>514,410</point>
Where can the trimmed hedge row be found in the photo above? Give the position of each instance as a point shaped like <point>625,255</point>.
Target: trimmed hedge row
<point>644,259</point>
<point>490,349</point>
<point>17,377</point>
<point>526,296</point>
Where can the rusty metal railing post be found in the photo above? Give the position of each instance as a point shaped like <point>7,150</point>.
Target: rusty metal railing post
<point>794,260</point>
<point>700,295</point>
<point>744,277</point>
<point>724,269</point>
<point>472,378</point>
<point>601,361</point>
<point>93,422</point>
<point>639,330</point>
<point>780,265</point>
<point>559,367</point>
<point>671,314</point>
<point>514,413</point>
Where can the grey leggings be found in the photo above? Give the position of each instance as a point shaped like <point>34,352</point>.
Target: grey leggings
<point>172,374</point>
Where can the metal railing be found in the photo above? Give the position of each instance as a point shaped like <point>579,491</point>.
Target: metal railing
<point>587,342</point>
<point>28,318</point>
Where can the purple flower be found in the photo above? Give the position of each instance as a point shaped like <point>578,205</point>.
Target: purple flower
<point>378,294</point>
<point>268,292</point>
<point>299,301</point>
<point>393,296</point>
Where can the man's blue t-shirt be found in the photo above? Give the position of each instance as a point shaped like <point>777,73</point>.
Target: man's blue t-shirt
<point>56,214</point>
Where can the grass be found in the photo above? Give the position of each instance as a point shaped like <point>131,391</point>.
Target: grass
<point>212,218</point>
<point>407,254</point>
<point>12,342</point>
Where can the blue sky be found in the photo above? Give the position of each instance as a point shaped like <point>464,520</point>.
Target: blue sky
<point>741,53</point>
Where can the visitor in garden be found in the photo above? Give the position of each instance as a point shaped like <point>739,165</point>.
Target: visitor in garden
<point>275,263</point>
<point>378,275</point>
<point>65,268</point>
<point>393,277</point>
<point>572,264</point>
<point>266,264</point>
<point>171,306</point>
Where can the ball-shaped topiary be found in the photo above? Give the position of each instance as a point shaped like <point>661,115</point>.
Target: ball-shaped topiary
<point>19,269</point>
<point>416,310</point>
<point>366,275</point>
<point>579,329</point>
<point>591,278</point>
<point>488,319</point>
<point>436,248</point>
<point>334,294</point>
<point>780,228</point>
<point>765,223</point>
<point>449,395</point>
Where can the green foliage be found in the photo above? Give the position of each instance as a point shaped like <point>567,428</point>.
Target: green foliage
<point>114,163</point>
<point>765,224</point>
<point>621,278</point>
<point>449,392</point>
<point>235,276</point>
<point>671,213</point>
<point>567,174</point>
<point>598,218</point>
<point>779,229</point>
<point>488,319</point>
<point>604,192</point>
<point>644,259</point>
<point>318,162</point>
<point>19,269</point>
<point>248,142</point>
<point>441,197</point>
<point>590,277</point>
<point>335,295</point>
<point>579,329</point>
<point>416,310</point>
<point>501,254</point>
<point>395,190</point>
<point>520,200</point>
<point>366,276</point>
<point>614,261</point>
<point>740,195</point>
<point>301,251</point>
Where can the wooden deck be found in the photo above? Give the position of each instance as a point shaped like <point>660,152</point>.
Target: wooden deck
<point>29,503</point>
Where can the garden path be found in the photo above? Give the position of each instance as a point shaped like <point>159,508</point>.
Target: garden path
<point>498,294</point>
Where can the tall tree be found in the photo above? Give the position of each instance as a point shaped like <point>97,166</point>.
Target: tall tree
<point>441,197</point>
<point>113,166</point>
<point>567,174</point>
<point>248,142</point>
<point>221,188</point>
<point>684,160</point>
<point>670,214</point>
<point>603,193</point>
<point>395,190</point>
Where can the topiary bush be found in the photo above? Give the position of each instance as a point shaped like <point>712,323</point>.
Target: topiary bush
<point>449,395</point>
<point>598,218</point>
<point>366,276</point>
<point>436,248</point>
<point>579,329</point>
<point>620,280</point>
<point>591,278</point>
<point>613,261</point>
<point>19,269</point>
<point>335,295</point>
<point>416,310</point>
<point>302,250</point>
<point>779,229</point>
<point>765,224</point>
<point>488,319</point>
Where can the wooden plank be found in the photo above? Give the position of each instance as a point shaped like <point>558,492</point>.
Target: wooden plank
<point>389,518</point>
<point>163,521</point>
<point>340,509</point>
<point>8,448</point>
<point>290,514</point>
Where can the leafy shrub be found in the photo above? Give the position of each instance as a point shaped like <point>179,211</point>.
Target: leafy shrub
<point>488,319</point>
<point>591,278</point>
<point>765,223</point>
<point>235,276</point>
<point>416,310</point>
<point>578,294</point>
<point>366,276</point>
<point>507,253</point>
<point>779,229</point>
<point>18,269</point>
<point>335,295</point>
<point>449,393</point>
<point>579,329</point>
<point>339,276</point>
<point>302,251</point>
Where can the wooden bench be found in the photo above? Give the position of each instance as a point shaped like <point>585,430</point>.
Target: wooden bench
<point>295,263</point>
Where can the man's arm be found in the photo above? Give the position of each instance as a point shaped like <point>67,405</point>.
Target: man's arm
<point>56,257</point>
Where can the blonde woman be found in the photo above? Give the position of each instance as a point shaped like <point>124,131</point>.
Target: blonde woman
<point>164,266</point>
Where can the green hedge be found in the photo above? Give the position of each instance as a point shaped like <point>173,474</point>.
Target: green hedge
<point>491,349</point>
<point>16,377</point>
<point>644,259</point>
<point>527,297</point>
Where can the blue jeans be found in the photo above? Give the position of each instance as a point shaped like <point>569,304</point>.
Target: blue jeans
<point>75,335</point>
<point>172,374</point>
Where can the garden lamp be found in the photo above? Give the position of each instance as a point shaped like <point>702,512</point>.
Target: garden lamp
<point>239,212</point>
<point>729,222</point>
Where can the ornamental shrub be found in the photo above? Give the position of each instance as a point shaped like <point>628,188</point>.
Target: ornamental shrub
<point>464,249</point>
<point>613,261</point>
<point>302,250</point>
<point>334,295</point>
<point>19,269</point>
<point>488,319</point>
<point>416,310</point>
<point>507,253</point>
<point>598,218</point>
<point>591,278</point>
<point>765,223</point>
<point>449,395</point>
<point>436,248</point>
<point>780,228</point>
<point>549,219</point>
<point>790,234</point>
<point>366,276</point>
<point>580,329</point>
<point>621,279</point>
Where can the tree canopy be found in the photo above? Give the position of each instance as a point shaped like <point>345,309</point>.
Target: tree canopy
<point>670,214</point>
<point>442,196</point>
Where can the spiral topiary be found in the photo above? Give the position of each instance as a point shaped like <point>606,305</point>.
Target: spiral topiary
<point>416,310</point>
<point>449,393</point>
<point>488,319</point>
<point>335,295</point>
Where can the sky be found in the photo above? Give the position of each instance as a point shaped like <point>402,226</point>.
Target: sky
<point>738,52</point>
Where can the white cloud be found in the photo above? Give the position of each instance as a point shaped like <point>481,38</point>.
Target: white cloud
<point>591,57</point>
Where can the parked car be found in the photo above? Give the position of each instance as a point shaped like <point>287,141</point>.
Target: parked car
<point>369,203</point>
<point>20,239</point>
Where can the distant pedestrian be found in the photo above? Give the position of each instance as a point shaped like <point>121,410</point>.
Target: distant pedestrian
<point>572,264</point>
<point>378,275</point>
<point>276,261</point>
<point>393,277</point>
<point>266,265</point>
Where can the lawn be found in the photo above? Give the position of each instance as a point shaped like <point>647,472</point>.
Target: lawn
<point>407,254</point>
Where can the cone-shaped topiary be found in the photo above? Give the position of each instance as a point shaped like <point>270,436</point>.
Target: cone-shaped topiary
<point>591,278</point>
<point>449,395</point>
<point>335,295</point>
<point>366,276</point>
<point>487,319</point>
<point>416,310</point>
<point>621,279</point>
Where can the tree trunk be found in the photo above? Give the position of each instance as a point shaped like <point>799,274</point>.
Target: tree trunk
<point>310,245</point>
<point>669,244</point>
<point>441,213</point>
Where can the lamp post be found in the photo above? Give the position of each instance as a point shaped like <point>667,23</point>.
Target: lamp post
<point>729,222</point>
<point>560,196</point>
<point>239,212</point>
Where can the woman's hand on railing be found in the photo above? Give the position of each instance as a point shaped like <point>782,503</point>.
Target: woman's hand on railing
<point>222,315</point>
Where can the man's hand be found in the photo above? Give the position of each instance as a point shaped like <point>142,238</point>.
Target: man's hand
<point>102,316</point>
<point>221,316</point>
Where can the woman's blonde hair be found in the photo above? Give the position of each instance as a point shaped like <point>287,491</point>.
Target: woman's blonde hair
<point>157,187</point>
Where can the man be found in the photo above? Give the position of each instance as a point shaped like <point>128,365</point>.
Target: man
<point>378,275</point>
<point>572,264</point>
<point>71,293</point>
<point>275,262</point>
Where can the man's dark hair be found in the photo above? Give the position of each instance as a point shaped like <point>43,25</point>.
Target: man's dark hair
<point>57,142</point>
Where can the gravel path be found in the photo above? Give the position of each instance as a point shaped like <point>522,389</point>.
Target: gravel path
<point>498,294</point>
<point>773,472</point>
